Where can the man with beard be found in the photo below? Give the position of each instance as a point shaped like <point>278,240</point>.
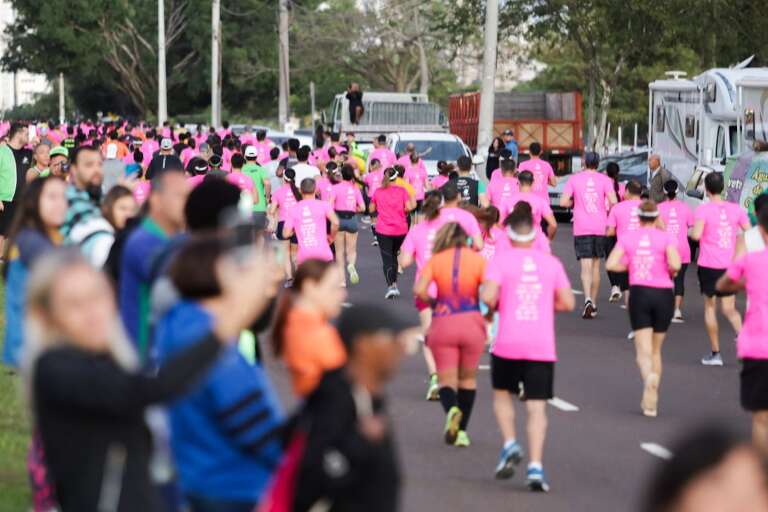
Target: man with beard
<point>85,225</point>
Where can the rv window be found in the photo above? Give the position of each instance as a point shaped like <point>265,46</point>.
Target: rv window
<point>720,143</point>
<point>690,126</point>
<point>733,136</point>
<point>660,118</point>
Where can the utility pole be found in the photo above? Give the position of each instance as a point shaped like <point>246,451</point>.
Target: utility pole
<point>312,102</point>
<point>216,64</point>
<point>61,98</point>
<point>162,97</point>
<point>488,91</point>
<point>284,64</point>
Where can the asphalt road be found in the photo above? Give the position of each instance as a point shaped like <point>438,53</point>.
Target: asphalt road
<point>594,456</point>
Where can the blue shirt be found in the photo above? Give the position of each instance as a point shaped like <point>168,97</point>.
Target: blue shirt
<point>141,247</point>
<point>225,431</point>
<point>512,147</point>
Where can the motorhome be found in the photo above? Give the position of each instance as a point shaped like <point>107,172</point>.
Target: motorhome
<point>387,112</point>
<point>694,124</point>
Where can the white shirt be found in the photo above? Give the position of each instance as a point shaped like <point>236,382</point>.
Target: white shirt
<point>753,240</point>
<point>304,171</point>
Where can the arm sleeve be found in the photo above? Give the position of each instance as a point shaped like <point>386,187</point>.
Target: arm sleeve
<point>102,386</point>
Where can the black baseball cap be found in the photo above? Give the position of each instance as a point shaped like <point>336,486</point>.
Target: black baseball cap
<point>369,318</point>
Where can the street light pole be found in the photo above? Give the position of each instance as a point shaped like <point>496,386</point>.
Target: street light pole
<point>162,98</point>
<point>216,64</point>
<point>284,65</point>
<point>61,98</point>
<point>487,91</point>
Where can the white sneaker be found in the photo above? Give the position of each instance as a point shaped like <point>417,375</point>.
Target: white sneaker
<point>712,360</point>
<point>631,335</point>
<point>615,294</point>
<point>678,317</point>
<point>392,292</point>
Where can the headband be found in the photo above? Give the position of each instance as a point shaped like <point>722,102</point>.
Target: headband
<point>519,237</point>
<point>648,215</point>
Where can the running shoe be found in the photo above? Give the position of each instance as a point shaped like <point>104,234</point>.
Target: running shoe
<point>712,360</point>
<point>462,440</point>
<point>288,283</point>
<point>509,457</point>
<point>678,317</point>
<point>631,335</point>
<point>392,292</point>
<point>433,391</point>
<point>650,400</point>
<point>594,310</point>
<point>589,309</point>
<point>354,278</point>
<point>452,421</point>
<point>536,481</point>
<point>615,294</point>
<point>375,243</point>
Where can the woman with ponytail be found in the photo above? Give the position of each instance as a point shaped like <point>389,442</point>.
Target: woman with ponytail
<point>677,217</point>
<point>302,334</point>
<point>283,199</point>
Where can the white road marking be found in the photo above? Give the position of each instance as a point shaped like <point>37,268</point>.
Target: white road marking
<point>656,450</point>
<point>577,292</point>
<point>561,404</point>
<point>346,304</point>
<point>484,367</point>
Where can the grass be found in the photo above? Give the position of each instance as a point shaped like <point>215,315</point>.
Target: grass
<point>14,437</point>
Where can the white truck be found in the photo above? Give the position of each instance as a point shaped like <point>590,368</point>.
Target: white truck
<point>695,126</point>
<point>385,113</point>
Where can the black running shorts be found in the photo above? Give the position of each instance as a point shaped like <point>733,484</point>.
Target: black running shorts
<point>590,246</point>
<point>651,307</point>
<point>534,378</point>
<point>754,384</point>
<point>708,279</point>
<point>680,281</point>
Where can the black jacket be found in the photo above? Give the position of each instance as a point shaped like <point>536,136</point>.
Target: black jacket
<point>339,464</point>
<point>90,415</point>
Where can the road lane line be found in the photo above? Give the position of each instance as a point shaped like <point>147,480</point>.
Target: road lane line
<point>484,367</point>
<point>561,404</point>
<point>346,304</point>
<point>577,292</point>
<point>656,450</point>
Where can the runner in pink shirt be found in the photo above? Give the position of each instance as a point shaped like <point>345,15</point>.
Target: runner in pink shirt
<point>416,175</point>
<point>526,286</point>
<point>504,185</point>
<point>392,204</point>
<point>590,194</point>
<point>717,224</point>
<point>347,203</point>
<point>539,206</point>
<point>621,219</point>
<point>450,212</point>
<point>543,174</point>
<point>283,199</point>
<point>325,183</point>
<point>678,219</point>
<point>141,191</point>
<point>382,153</point>
<point>444,171</point>
<point>307,219</point>
<point>750,272</point>
<point>236,176</point>
<point>651,258</point>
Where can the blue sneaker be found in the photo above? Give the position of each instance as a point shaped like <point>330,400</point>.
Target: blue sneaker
<point>536,481</point>
<point>508,458</point>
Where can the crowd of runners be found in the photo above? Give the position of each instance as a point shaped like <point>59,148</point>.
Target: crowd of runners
<point>143,264</point>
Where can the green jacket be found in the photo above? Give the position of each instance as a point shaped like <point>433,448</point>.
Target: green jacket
<point>7,174</point>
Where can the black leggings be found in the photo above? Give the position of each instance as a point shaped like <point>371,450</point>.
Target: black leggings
<point>389,246</point>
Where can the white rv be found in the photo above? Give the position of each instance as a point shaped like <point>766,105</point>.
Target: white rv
<point>694,124</point>
<point>385,113</point>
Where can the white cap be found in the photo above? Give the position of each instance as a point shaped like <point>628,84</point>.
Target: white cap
<point>112,150</point>
<point>166,143</point>
<point>250,152</point>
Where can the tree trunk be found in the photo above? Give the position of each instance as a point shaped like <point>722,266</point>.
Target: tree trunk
<point>590,138</point>
<point>423,68</point>
<point>605,105</point>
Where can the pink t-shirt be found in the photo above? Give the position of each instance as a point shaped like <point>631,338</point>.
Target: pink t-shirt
<point>678,217</point>
<point>373,181</point>
<point>308,219</point>
<point>752,268</point>
<point>623,217</point>
<point>541,171</point>
<point>462,217</point>
<point>722,221</point>
<point>241,180</point>
<point>391,203</point>
<point>384,155</point>
<point>589,190</point>
<point>325,188</point>
<point>540,243</point>
<point>500,189</point>
<point>528,282</point>
<point>645,254</point>
<point>285,200</point>
<point>347,197</point>
<point>439,180</point>
<point>141,191</point>
<point>195,180</point>
<point>539,206</point>
<point>417,177</point>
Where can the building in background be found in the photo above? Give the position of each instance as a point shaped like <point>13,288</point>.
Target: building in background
<point>20,87</point>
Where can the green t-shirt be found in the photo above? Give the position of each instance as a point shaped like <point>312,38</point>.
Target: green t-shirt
<point>258,174</point>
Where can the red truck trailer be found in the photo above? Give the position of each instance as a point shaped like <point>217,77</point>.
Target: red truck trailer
<point>554,120</point>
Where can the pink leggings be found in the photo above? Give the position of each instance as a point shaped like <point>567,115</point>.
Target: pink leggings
<point>457,341</point>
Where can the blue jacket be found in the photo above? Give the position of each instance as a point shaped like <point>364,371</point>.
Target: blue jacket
<point>225,433</point>
<point>512,147</point>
